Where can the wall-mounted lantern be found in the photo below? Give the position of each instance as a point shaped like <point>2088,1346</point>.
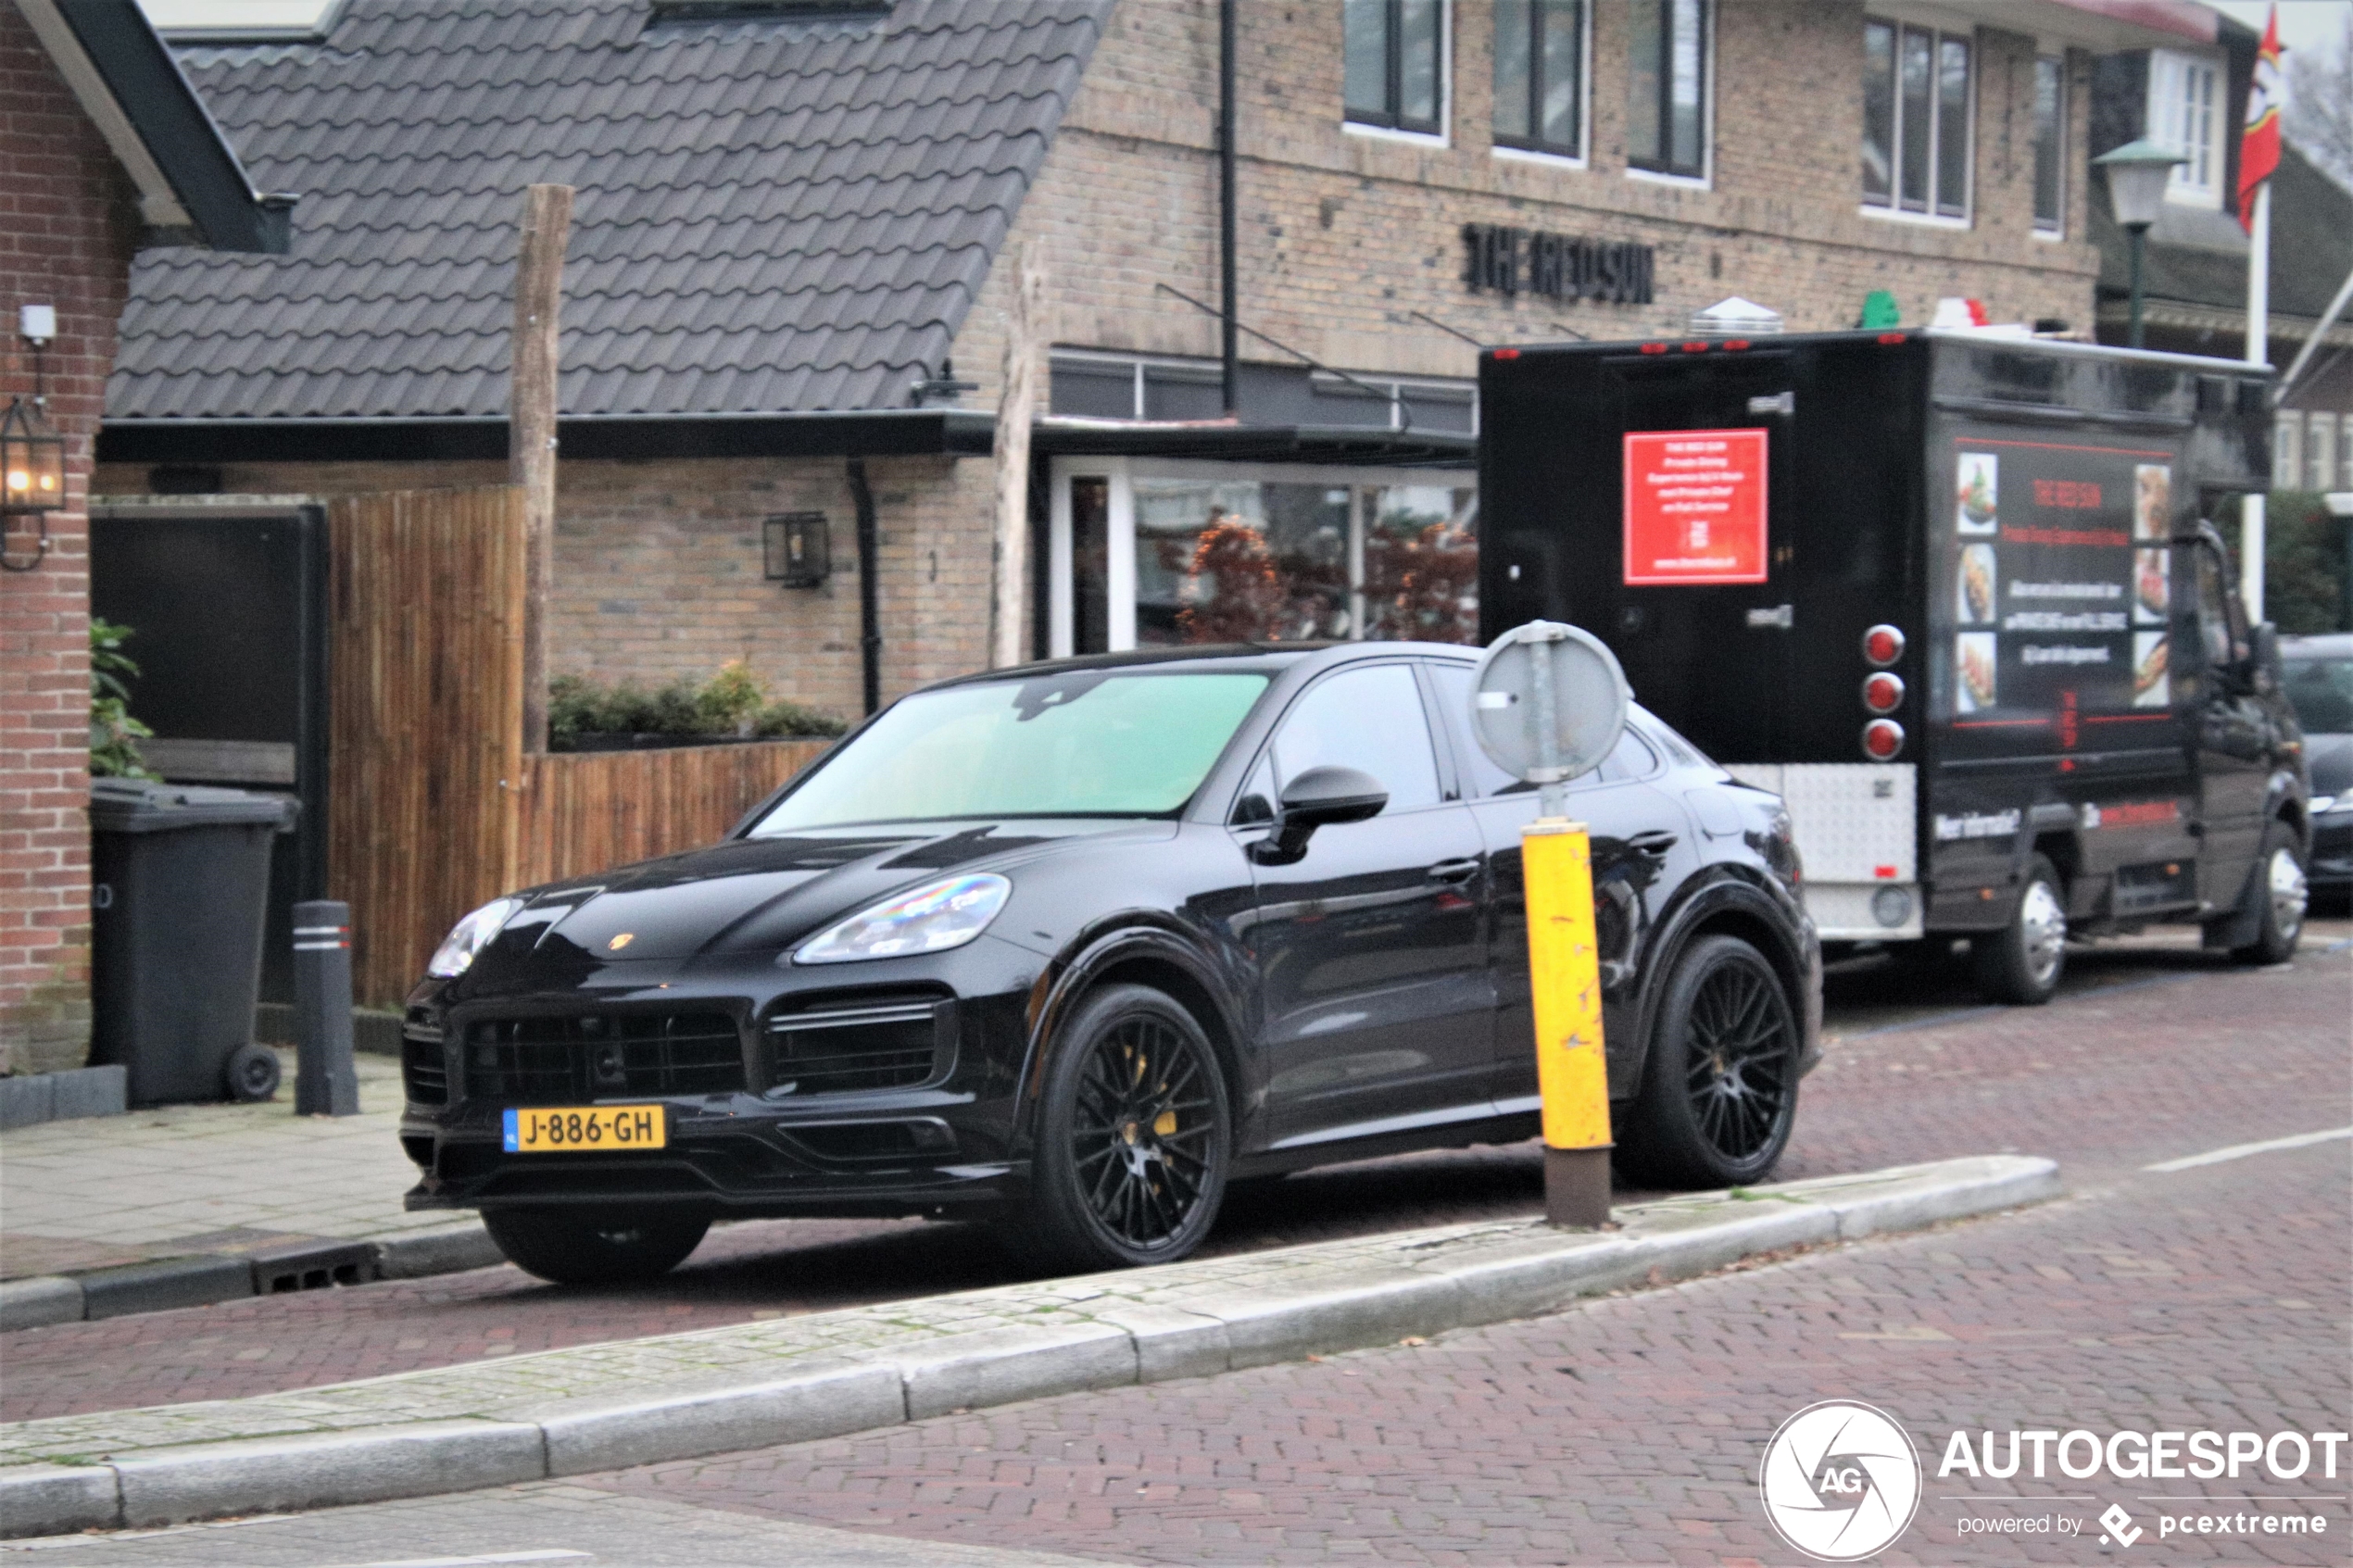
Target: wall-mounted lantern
<point>797,550</point>
<point>32,475</point>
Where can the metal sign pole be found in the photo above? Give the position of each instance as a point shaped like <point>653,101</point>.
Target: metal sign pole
<point>1573,698</point>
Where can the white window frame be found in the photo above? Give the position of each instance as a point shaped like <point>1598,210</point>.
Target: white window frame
<point>1712,71</point>
<point>1938,30</point>
<point>1119,563</point>
<point>1444,135</point>
<point>2169,74</point>
<point>1584,156</point>
<point>2055,230</point>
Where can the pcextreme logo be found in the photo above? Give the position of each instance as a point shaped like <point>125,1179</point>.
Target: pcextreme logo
<point>1840,1481</point>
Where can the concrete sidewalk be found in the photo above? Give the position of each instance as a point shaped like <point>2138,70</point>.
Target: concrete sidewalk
<point>172,1206</point>
<point>599,1407</point>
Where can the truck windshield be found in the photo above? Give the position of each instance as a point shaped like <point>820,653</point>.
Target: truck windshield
<point>1086,743</point>
<point>2320,690</point>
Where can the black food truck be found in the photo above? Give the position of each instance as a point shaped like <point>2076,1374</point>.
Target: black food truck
<point>1957,598</point>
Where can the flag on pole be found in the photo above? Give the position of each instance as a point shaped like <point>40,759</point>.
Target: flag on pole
<point>2260,142</point>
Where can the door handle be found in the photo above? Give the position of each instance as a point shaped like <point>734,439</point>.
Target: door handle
<point>1655,842</point>
<point>1453,871</point>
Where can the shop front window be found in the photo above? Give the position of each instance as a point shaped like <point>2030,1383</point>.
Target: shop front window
<point>1168,559</point>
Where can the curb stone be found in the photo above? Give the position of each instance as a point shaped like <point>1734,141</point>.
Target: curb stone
<point>160,1285</point>
<point>570,1411</point>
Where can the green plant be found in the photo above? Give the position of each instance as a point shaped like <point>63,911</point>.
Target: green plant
<point>2303,563</point>
<point>731,703</point>
<point>114,733</point>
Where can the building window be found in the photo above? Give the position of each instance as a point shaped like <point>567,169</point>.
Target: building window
<point>1395,59</point>
<point>2287,450</point>
<point>2319,450</point>
<point>1666,88</point>
<point>2185,114</point>
<point>1915,120</point>
<point>1540,76</point>
<point>2050,146</point>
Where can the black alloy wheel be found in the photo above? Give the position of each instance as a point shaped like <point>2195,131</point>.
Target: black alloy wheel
<point>1719,1092</point>
<point>1134,1137</point>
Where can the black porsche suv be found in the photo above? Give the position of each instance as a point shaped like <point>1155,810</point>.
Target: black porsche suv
<point>1070,947</point>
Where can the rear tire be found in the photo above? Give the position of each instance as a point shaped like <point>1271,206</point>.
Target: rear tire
<point>1719,1090</point>
<point>596,1245</point>
<point>1135,1139</point>
<point>2280,884</point>
<point>2021,963</point>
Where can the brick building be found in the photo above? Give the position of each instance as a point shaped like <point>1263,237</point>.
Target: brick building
<point>105,153</point>
<point>792,240</point>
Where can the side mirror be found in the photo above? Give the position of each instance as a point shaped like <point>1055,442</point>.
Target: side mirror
<point>1319,797</point>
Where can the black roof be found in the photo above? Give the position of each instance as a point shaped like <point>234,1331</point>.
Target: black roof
<point>778,210</point>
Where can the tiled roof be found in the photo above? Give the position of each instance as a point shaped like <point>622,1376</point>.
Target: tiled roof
<point>772,214</point>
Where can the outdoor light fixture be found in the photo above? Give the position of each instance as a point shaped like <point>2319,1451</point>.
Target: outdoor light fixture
<point>797,550</point>
<point>33,474</point>
<point>2137,173</point>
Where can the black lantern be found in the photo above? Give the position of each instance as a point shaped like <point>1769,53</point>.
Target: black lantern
<point>32,463</point>
<point>797,550</point>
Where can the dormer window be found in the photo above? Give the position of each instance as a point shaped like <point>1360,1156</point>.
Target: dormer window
<point>2186,110</point>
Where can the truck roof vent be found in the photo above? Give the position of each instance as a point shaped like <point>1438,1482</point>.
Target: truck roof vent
<point>1735,317</point>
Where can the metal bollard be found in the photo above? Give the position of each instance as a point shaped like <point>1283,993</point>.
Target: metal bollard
<point>1571,1072</point>
<point>325,1082</point>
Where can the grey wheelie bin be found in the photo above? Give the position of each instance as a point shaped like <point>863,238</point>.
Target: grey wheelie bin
<point>180,882</point>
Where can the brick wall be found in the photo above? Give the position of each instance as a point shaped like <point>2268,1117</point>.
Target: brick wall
<point>64,240</point>
<point>1342,236</point>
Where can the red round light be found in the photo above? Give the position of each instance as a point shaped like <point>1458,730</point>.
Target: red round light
<point>1884,693</point>
<point>1883,645</point>
<point>1882,738</point>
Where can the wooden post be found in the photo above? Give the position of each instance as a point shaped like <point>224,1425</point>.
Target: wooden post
<point>1017,402</point>
<point>530,429</point>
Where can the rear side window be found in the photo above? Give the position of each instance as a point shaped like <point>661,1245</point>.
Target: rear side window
<point>1369,719</point>
<point>1634,757</point>
<point>2320,690</point>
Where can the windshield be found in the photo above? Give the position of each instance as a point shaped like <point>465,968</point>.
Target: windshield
<point>2320,690</point>
<point>1084,742</point>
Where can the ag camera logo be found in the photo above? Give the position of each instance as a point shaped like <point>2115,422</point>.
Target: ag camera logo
<point>1840,1481</point>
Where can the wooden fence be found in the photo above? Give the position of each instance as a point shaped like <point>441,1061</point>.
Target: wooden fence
<point>433,807</point>
<point>586,810</point>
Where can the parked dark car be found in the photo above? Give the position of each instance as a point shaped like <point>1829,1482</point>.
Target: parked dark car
<point>1071,947</point>
<point>2320,687</point>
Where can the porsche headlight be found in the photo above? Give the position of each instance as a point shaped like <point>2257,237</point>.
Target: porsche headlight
<point>470,937</point>
<point>933,918</point>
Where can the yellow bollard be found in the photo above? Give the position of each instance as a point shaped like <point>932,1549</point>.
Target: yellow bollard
<point>1572,1074</point>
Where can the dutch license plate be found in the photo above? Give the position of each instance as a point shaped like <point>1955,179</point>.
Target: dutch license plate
<point>568,1129</point>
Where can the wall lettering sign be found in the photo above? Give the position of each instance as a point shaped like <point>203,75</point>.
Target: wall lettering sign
<point>1502,259</point>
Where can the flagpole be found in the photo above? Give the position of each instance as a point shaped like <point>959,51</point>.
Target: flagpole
<point>2258,352</point>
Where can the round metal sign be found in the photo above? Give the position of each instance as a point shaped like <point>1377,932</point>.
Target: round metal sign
<point>1549,702</point>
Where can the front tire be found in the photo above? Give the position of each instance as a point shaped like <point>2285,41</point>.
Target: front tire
<point>596,1246</point>
<point>2021,964</point>
<point>2285,895</point>
<point>1719,1090</point>
<point>1135,1138</point>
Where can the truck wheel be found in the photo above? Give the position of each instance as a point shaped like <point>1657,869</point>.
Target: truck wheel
<point>1135,1139</point>
<point>2280,917</point>
<point>2021,964</point>
<point>1719,1090</point>
<point>596,1246</point>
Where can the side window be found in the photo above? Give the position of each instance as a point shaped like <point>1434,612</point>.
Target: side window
<point>2214,622</point>
<point>1633,758</point>
<point>1256,802</point>
<point>1370,720</point>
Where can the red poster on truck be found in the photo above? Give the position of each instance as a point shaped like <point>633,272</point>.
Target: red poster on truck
<point>1694,507</point>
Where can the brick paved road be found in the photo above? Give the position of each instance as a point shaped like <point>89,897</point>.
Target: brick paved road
<point>2095,1089</point>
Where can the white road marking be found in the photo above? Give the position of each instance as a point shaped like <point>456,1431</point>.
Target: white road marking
<point>550,1554</point>
<point>2241,1150</point>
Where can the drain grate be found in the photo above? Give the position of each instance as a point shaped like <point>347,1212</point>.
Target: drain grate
<point>312,1265</point>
